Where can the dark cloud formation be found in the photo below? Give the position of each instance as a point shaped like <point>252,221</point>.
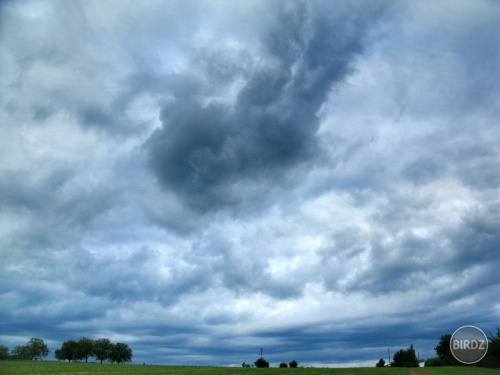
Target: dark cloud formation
<point>201,180</point>
<point>271,127</point>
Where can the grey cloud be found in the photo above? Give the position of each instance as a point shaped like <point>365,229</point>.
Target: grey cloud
<point>202,149</point>
<point>324,175</point>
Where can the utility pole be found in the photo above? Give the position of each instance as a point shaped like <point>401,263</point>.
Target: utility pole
<point>389,351</point>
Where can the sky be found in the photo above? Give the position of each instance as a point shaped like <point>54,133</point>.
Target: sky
<point>199,180</point>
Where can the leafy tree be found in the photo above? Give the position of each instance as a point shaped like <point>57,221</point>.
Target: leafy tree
<point>20,352</point>
<point>245,365</point>
<point>443,351</point>
<point>85,348</point>
<point>102,349</point>
<point>294,364</point>
<point>405,358</point>
<point>261,363</point>
<point>36,349</point>
<point>283,365</point>
<point>493,356</point>
<point>69,351</point>
<point>380,363</point>
<point>4,352</point>
<point>120,353</point>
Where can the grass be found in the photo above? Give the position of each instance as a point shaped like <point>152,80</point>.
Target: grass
<point>61,368</point>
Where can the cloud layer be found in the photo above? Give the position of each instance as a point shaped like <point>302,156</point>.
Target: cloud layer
<point>203,180</point>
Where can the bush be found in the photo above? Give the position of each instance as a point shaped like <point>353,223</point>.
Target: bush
<point>261,363</point>
<point>283,365</point>
<point>293,364</point>
<point>435,361</point>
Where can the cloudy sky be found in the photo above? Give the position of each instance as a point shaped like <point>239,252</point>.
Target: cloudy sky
<point>201,180</point>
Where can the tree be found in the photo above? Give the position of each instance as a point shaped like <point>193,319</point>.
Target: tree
<point>261,363</point>
<point>120,353</point>
<point>20,352</point>
<point>294,364</point>
<point>102,349</point>
<point>443,351</point>
<point>70,351</point>
<point>493,356</point>
<point>4,352</point>
<point>405,358</point>
<point>36,349</point>
<point>380,363</point>
<point>283,365</point>
<point>85,348</point>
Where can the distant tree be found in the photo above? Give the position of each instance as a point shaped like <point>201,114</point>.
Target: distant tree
<point>380,363</point>
<point>283,365</point>
<point>261,363</point>
<point>4,352</point>
<point>20,352</point>
<point>70,351</point>
<point>443,352</point>
<point>102,349</point>
<point>85,348</point>
<point>405,358</point>
<point>294,364</point>
<point>245,365</point>
<point>492,358</point>
<point>120,353</point>
<point>36,349</point>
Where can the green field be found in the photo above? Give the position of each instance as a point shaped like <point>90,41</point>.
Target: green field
<point>40,367</point>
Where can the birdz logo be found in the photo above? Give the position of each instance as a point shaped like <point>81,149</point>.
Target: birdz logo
<point>469,344</point>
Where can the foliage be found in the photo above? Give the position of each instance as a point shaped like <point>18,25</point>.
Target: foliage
<point>33,350</point>
<point>261,363</point>
<point>294,364</point>
<point>283,365</point>
<point>20,352</point>
<point>380,363</point>
<point>245,364</point>
<point>492,358</point>
<point>69,351</point>
<point>434,361</point>
<point>102,349</point>
<point>120,353</point>
<point>37,348</point>
<point>405,358</point>
<point>85,348</point>
<point>4,352</point>
<point>443,352</point>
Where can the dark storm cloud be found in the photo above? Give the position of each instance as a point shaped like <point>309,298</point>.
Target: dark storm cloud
<point>202,149</point>
<point>201,180</point>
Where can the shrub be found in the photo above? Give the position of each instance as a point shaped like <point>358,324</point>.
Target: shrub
<point>380,363</point>
<point>261,363</point>
<point>435,361</point>
<point>283,365</point>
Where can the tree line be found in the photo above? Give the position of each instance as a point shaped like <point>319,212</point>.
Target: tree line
<point>71,350</point>
<point>402,358</point>
<point>446,358</point>
<point>407,358</point>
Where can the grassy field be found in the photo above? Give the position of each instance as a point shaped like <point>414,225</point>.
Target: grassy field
<point>58,368</point>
